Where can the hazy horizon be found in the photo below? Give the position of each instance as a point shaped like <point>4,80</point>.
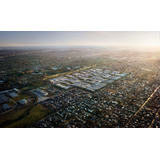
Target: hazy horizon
<point>126,39</point>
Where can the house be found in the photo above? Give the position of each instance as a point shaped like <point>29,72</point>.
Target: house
<point>3,99</point>
<point>6,107</point>
<point>22,101</point>
<point>12,94</point>
<point>16,90</point>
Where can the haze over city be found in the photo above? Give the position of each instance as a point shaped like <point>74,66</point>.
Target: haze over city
<point>79,79</point>
<point>80,38</point>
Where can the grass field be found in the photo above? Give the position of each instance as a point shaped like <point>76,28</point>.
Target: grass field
<point>12,115</point>
<point>11,103</point>
<point>19,97</point>
<point>24,117</point>
<point>63,74</point>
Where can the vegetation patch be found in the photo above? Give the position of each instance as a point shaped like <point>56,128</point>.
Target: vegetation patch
<point>24,117</point>
<point>19,97</point>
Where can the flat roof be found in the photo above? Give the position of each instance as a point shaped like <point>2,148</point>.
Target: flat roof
<point>91,79</point>
<point>3,99</point>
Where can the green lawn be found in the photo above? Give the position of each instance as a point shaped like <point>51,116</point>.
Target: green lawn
<point>11,103</point>
<point>12,115</point>
<point>19,97</point>
<point>24,117</point>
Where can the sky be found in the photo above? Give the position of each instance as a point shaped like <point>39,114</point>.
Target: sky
<point>74,38</point>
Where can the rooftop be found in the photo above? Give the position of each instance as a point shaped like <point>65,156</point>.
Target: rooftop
<point>91,79</point>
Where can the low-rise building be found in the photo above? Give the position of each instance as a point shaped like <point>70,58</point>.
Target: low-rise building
<point>3,99</point>
<point>6,107</point>
<point>22,101</point>
<point>12,94</point>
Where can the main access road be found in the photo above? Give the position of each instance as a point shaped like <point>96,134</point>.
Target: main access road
<point>142,106</point>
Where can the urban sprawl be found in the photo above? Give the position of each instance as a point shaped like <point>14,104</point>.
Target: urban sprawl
<point>68,90</point>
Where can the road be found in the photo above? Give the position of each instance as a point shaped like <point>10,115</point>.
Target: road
<point>142,106</point>
<point>157,113</point>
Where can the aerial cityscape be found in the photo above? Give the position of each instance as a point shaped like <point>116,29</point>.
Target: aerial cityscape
<point>79,79</point>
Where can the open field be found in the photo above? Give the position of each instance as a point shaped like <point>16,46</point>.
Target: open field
<point>19,97</point>
<point>11,103</point>
<point>9,117</point>
<point>23,117</point>
<point>63,74</point>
